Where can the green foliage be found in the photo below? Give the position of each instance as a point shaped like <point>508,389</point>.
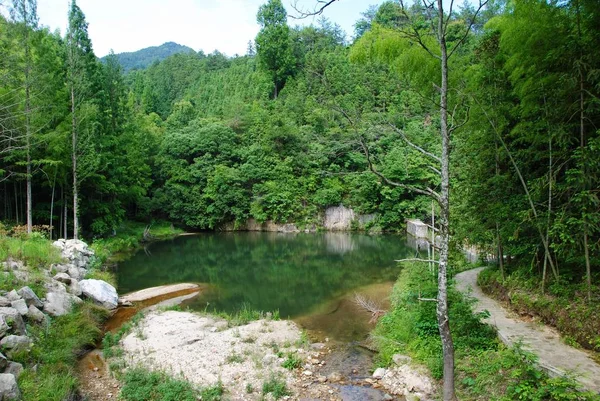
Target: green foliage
<point>411,327</point>
<point>35,252</point>
<point>292,361</point>
<point>56,348</point>
<point>143,58</point>
<point>142,385</point>
<point>276,387</point>
<point>478,378</point>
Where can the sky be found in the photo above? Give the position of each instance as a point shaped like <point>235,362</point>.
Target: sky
<point>208,25</point>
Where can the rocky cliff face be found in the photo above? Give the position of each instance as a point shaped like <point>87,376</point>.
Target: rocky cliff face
<point>335,218</point>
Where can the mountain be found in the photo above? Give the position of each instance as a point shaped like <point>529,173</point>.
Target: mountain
<point>143,58</point>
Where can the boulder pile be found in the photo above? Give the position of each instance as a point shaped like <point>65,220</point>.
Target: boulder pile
<point>65,286</point>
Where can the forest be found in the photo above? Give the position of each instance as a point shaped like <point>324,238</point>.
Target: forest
<point>309,119</point>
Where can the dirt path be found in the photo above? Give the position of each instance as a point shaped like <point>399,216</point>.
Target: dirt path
<point>555,357</point>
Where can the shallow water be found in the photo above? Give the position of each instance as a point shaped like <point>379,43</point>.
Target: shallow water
<point>309,277</point>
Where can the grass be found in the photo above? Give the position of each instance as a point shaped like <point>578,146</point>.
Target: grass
<point>142,385</point>
<point>292,361</point>
<point>245,314</point>
<point>509,374</point>
<point>276,387</point>
<point>35,251</point>
<point>129,238</point>
<point>486,370</point>
<point>55,351</point>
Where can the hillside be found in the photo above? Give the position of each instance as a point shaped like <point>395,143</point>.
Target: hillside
<point>145,57</point>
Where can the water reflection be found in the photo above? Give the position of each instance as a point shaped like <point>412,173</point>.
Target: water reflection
<point>293,273</point>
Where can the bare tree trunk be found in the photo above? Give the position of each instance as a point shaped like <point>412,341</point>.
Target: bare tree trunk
<point>28,132</point>
<point>74,161</point>
<point>66,214</point>
<point>52,205</point>
<point>442,297</point>
<point>16,203</point>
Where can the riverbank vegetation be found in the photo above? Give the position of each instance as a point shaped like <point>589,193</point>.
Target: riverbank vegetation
<point>411,329</point>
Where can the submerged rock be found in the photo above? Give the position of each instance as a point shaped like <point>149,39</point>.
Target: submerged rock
<point>100,292</point>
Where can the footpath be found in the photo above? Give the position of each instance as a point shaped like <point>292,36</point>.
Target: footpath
<point>554,356</point>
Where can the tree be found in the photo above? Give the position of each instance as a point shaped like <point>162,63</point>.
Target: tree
<point>440,36</point>
<point>273,45</point>
<point>24,15</point>
<point>81,64</point>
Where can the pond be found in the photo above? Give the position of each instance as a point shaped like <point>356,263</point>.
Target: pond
<point>310,278</point>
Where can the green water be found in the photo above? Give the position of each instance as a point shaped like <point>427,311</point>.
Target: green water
<point>292,273</point>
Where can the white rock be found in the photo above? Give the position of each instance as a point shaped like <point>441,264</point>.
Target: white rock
<point>100,292</point>
<point>75,288</point>
<point>35,314</point>
<point>379,373</point>
<point>63,278</point>
<point>30,297</point>
<point>9,390</point>
<point>59,303</point>
<point>14,317</point>
<point>16,343</point>
<point>20,306</point>
<point>14,368</point>
<point>13,295</point>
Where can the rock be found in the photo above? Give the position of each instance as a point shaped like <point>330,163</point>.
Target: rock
<point>321,379</point>
<point>75,251</point>
<point>14,319</point>
<point>100,292</point>
<point>35,314</point>
<point>14,343</point>
<point>3,361</point>
<point>30,297</point>
<point>4,327</point>
<point>75,273</point>
<point>338,218</point>
<point>63,278</point>
<point>412,397</point>
<point>14,368</point>
<point>400,359</point>
<point>55,286</point>
<point>22,275</point>
<point>379,373</point>
<point>334,377</point>
<point>4,301</point>
<point>387,397</point>
<point>75,288</point>
<point>317,346</point>
<point>60,268</point>
<point>59,303</point>
<point>270,359</point>
<point>20,306</point>
<point>307,373</point>
<point>9,390</point>
<point>13,296</point>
